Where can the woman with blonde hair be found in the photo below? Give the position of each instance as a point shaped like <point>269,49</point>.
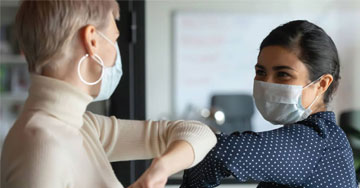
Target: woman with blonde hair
<point>74,59</point>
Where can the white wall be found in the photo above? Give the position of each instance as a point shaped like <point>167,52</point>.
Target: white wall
<point>159,44</point>
<point>356,96</point>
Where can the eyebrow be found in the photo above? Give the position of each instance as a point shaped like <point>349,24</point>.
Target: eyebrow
<point>259,66</point>
<point>276,68</point>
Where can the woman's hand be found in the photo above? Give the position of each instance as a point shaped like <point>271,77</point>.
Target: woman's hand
<point>178,156</point>
<point>154,177</point>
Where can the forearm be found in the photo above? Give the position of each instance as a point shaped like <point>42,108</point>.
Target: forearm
<point>178,156</point>
<point>180,145</point>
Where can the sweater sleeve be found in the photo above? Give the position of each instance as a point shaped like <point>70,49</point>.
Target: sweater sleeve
<point>134,140</point>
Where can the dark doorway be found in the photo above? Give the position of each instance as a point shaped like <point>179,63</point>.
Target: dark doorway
<point>128,100</point>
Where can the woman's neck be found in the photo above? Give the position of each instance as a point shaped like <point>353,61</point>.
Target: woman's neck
<point>319,108</point>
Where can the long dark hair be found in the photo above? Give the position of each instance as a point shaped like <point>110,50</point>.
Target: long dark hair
<point>312,46</point>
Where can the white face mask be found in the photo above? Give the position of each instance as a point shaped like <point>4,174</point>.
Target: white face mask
<point>281,103</point>
<point>110,76</point>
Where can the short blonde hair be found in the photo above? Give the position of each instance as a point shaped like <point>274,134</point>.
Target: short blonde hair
<point>45,27</point>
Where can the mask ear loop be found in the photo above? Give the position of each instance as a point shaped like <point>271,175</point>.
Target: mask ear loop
<point>106,38</point>
<point>114,44</point>
<point>99,61</point>
<point>309,84</point>
<point>316,98</point>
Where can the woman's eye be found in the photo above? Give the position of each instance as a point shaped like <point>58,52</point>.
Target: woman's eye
<point>283,74</point>
<point>260,73</point>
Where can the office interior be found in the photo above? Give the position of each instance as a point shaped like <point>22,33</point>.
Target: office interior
<point>194,59</point>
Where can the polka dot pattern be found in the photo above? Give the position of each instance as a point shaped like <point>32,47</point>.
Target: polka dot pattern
<point>313,153</point>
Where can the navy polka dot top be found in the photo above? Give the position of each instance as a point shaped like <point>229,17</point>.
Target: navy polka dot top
<point>311,153</point>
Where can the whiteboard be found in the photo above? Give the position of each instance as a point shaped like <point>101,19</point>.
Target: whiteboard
<point>215,52</point>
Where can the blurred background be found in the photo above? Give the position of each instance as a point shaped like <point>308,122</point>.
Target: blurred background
<point>194,59</point>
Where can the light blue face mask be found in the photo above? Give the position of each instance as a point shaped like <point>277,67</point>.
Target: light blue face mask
<point>281,104</point>
<point>110,76</point>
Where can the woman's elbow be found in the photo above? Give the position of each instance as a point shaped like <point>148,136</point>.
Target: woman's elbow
<point>201,138</point>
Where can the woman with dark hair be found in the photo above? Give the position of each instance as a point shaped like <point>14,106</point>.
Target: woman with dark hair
<point>297,74</point>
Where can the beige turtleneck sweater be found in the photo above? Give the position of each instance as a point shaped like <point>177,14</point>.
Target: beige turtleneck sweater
<point>56,144</point>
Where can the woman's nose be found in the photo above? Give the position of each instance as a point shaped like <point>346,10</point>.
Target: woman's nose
<point>268,78</point>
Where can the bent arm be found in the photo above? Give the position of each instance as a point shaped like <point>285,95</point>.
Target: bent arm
<point>273,156</point>
<point>133,140</point>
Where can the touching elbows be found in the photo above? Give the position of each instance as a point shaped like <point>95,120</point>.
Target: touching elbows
<point>198,135</point>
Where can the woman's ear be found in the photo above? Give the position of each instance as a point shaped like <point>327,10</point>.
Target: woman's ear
<point>324,83</point>
<point>88,37</point>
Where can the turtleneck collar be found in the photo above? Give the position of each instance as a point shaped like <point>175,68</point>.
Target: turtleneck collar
<point>58,98</point>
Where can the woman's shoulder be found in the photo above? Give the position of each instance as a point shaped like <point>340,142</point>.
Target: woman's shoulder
<point>315,129</point>
<point>38,131</point>
<point>320,124</point>
<point>33,145</point>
